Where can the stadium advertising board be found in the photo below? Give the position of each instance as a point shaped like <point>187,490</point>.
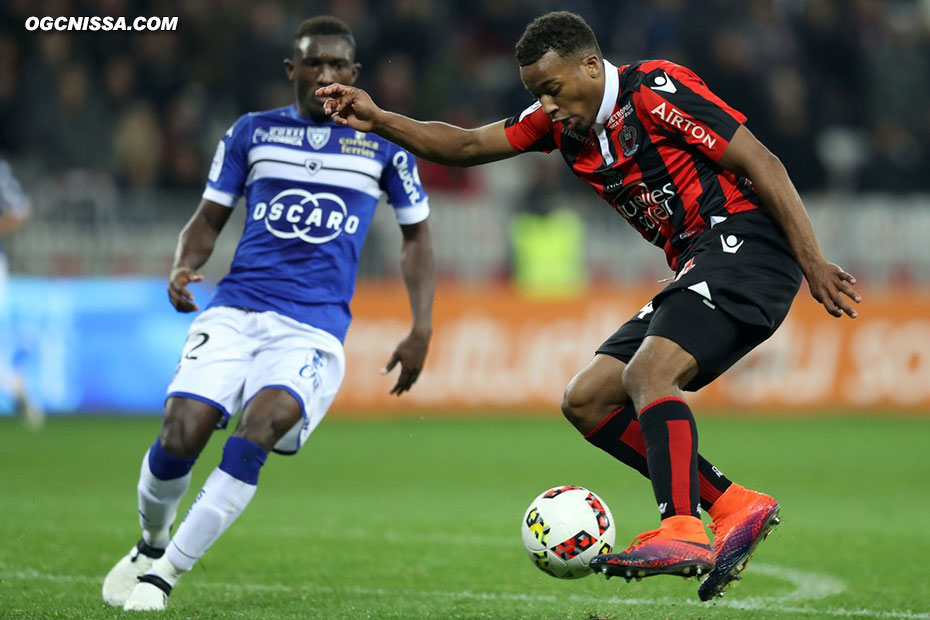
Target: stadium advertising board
<point>111,345</point>
<point>495,350</point>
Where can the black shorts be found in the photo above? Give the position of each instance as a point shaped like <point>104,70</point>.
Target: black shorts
<point>733,289</point>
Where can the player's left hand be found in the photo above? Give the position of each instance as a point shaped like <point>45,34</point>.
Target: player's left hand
<point>410,353</point>
<point>832,287</point>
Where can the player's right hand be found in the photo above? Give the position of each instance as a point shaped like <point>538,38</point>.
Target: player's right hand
<point>181,298</point>
<point>349,106</point>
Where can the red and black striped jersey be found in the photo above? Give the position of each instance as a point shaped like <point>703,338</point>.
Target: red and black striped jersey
<point>652,153</point>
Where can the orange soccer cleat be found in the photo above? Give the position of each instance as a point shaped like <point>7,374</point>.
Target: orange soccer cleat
<point>741,520</point>
<point>679,547</point>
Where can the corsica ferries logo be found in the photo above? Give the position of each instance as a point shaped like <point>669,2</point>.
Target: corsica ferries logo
<point>313,218</point>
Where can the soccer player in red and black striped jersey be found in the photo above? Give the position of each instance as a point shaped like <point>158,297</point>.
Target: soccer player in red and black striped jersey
<point>680,166</point>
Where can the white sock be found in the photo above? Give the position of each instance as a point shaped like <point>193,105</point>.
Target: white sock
<point>158,504</point>
<point>162,567</point>
<point>219,503</point>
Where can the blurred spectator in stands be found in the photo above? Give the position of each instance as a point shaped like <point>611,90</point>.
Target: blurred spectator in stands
<point>137,146</point>
<point>548,237</point>
<point>806,73</point>
<point>68,129</point>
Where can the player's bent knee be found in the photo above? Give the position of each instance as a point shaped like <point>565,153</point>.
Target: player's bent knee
<point>571,413</point>
<point>266,428</point>
<point>581,405</point>
<point>268,417</point>
<point>573,404</point>
<point>187,427</point>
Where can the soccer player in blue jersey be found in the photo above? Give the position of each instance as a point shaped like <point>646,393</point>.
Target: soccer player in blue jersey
<point>270,341</point>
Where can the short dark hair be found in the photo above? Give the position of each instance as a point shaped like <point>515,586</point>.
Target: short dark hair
<point>324,24</point>
<point>563,32</point>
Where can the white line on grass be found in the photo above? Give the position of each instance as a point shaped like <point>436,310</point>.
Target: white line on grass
<point>808,586</point>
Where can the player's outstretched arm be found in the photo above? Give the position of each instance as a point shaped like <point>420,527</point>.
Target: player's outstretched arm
<point>195,245</point>
<point>829,284</point>
<point>419,273</point>
<point>434,141</point>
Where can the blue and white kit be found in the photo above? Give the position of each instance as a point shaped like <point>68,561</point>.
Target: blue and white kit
<point>279,317</point>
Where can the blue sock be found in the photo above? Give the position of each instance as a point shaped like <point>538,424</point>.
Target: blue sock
<point>224,496</point>
<point>166,467</point>
<point>243,459</point>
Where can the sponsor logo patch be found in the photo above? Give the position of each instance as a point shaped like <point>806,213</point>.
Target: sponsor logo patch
<point>676,118</point>
<point>312,218</point>
<point>730,243</point>
<point>292,136</point>
<point>620,115</point>
<point>663,83</point>
<point>359,145</point>
<point>408,177</point>
<point>613,181</point>
<point>577,137</point>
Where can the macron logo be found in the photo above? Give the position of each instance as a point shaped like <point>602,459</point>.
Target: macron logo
<point>730,243</point>
<point>664,84</point>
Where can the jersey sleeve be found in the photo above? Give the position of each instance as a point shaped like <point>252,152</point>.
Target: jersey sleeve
<point>226,180</point>
<point>674,100</point>
<point>400,181</point>
<point>531,130</point>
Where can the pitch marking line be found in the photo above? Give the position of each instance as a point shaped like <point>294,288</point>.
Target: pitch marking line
<point>808,586</point>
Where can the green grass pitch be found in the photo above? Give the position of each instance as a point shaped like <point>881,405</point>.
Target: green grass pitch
<point>419,518</point>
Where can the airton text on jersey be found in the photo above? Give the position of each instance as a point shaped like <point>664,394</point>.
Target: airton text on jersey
<point>676,118</point>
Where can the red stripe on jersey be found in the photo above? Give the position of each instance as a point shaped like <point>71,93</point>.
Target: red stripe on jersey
<point>661,115</point>
<point>694,83</point>
<point>736,201</point>
<point>640,197</point>
<point>679,450</point>
<point>681,168</point>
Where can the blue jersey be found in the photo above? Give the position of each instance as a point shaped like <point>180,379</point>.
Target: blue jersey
<point>311,190</point>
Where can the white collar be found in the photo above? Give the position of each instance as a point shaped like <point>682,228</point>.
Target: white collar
<point>611,90</point>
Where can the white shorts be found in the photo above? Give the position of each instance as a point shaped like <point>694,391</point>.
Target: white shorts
<point>230,354</point>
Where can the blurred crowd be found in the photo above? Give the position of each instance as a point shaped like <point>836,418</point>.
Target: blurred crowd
<point>837,88</point>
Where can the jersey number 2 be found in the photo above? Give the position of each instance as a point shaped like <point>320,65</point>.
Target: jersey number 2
<point>204,336</point>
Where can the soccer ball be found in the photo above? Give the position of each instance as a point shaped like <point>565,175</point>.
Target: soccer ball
<point>565,528</point>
